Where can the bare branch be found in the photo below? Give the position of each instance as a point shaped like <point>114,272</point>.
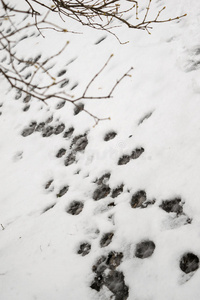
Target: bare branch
<point>105,15</point>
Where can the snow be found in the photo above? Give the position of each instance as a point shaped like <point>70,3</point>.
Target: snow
<point>158,109</point>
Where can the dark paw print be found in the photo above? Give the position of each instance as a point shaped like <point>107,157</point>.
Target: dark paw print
<point>106,239</point>
<point>109,136</point>
<point>103,188</point>
<point>84,249</point>
<point>63,191</point>
<point>48,184</point>
<point>139,199</point>
<point>97,283</point>
<point>18,95</point>
<point>61,73</point>
<point>174,205</point>
<point>107,275</point>
<point>75,208</point>
<point>61,152</point>
<point>27,99</point>
<point>124,159</point>
<point>78,108</point>
<point>29,130</point>
<point>103,179</point>
<point>26,108</point>
<point>47,131</point>
<point>114,259</point>
<point>58,129</point>
<point>74,86</point>
<point>64,83</point>
<point>189,263</point>
<point>117,191</point>
<point>49,120</point>
<point>114,281</point>
<point>71,158</point>
<point>101,192</point>
<point>111,261</point>
<point>60,105</point>
<point>40,127</point>
<point>68,133</point>
<point>79,143</point>
<point>144,249</point>
<point>136,153</point>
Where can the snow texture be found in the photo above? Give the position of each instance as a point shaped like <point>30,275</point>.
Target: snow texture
<point>110,211</point>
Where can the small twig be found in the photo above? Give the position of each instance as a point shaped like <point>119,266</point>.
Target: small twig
<point>118,81</point>
<point>147,11</point>
<point>93,79</point>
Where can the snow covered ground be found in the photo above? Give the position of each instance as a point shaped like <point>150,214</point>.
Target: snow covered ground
<point>109,211</point>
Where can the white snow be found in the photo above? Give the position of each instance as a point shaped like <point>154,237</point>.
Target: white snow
<point>38,249</point>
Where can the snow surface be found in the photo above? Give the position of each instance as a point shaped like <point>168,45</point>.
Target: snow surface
<point>158,109</point>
